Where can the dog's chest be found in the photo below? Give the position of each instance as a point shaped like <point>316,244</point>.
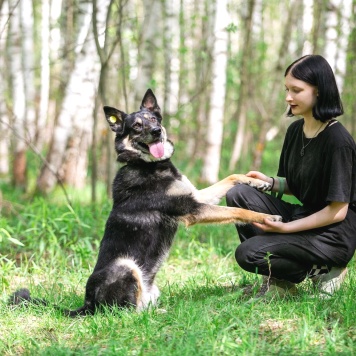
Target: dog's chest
<point>163,178</point>
<point>181,186</point>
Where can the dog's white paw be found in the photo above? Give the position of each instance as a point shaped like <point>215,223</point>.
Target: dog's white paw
<point>260,185</point>
<point>274,218</point>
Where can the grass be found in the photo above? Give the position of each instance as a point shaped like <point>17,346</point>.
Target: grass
<point>203,310</point>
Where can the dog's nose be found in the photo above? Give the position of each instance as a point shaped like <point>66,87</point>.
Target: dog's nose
<point>156,131</point>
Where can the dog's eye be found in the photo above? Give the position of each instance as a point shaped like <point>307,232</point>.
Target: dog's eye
<point>152,119</point>
<point>137,126</point>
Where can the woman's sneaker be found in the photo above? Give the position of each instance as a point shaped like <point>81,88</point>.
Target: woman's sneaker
<point>272,288</point>
<point>330,282</point>
<point>281,288</point>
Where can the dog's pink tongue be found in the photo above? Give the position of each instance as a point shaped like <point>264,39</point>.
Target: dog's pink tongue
<point>156,149</point>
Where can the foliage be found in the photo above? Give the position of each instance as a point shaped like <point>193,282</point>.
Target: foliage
<point>203,310</point>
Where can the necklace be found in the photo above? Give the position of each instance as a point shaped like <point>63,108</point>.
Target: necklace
<point>305,146</point>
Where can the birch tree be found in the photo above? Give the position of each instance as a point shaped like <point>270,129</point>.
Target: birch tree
<point>150,44</point>
<point>338,29</point>
<point>350,75</point>
<point>171,59</point>
<point>203,35</point>
<point>241,109</point>
<point>45,72</point>
<point>27,56</point>
<point>75,118</point>
<point>4,118</point>
<point>215,124</point>
<point>267,105</point>
<point>18,95</point>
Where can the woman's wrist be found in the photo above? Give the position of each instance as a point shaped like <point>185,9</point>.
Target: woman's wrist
<point>272,182</point>
<point>278,184</point>
<point>281,187</point>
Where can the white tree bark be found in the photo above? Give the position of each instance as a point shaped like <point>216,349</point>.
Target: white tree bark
<point>45,72</point>
<point>18,94</point>
<point>4,119</point>
<point>211,166</point>
<point>338,29</point>
<point>150,44</point>
<point>76,113</point>
<point>171,50</point>
<point>27,33</point>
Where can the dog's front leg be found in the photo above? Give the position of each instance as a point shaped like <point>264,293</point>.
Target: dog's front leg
<point>213,214</point>
<point>214,193</point>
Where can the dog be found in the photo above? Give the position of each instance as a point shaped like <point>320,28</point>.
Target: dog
<point>150,198</point>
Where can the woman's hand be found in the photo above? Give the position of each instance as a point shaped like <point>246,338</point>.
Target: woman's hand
<point>259,175</point>
<point>273,226</point>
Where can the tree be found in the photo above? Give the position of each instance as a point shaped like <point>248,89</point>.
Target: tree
<point>78,104</point>
<point>45,73</point>
<point>241,109</point>
<point>149,47</point>
<point>211,166</point>
<point>4,117</point>
<point>18,95</point>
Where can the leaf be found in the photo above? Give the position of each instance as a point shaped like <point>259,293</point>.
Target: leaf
<point>15,241</point>
<point>11,239</point>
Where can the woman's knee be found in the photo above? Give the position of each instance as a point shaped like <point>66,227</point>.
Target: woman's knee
<point>238,195</point>
<point>243,257</point>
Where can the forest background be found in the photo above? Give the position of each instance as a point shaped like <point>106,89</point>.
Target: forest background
<point>216,68</point>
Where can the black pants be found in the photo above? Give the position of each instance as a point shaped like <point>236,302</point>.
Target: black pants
<point>284,256</point>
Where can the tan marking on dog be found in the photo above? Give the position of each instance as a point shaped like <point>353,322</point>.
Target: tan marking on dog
<point>137,274</point>
<point>214,193</point>
<point>128,145</point>
<point>139,291</point>
<point>214,214</point>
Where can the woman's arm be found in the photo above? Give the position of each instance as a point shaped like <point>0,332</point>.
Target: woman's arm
<point>332,213</point>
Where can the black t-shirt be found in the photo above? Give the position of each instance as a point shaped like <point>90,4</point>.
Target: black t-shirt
<point>325,173</point>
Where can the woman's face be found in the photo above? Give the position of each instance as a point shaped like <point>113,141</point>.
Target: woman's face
<point>301,96</point>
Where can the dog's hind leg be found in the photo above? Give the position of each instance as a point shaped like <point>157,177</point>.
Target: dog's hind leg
<point>149,297</point>
<point>214,193</point>
<point>214,214</point>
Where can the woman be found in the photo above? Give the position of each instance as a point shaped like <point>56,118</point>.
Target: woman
<point>318,166</point>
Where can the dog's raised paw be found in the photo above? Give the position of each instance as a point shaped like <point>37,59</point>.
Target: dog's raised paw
<point>260,185</point>
<point>275,218</point>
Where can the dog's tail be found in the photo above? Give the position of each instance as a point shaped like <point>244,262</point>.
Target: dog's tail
<point>23,297</point>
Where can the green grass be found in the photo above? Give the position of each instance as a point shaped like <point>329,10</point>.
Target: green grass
<point>203,310</point>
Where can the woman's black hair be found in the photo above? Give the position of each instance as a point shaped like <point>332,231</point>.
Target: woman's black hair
<point>316,71</point>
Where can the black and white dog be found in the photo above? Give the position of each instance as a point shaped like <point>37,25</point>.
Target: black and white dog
<point>150,198</point>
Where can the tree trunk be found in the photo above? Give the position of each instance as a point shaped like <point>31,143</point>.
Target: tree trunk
<point>45,74</point>
<point>149,46</point>
<point>240,113</point>
<point>350,76</point>
<point>4,117</point>
<point>18,97</point>
<point>215,124</point>
<point>27,31</point>
<point>77,106</point>
<point>203,32</point>
<point>268,110</point>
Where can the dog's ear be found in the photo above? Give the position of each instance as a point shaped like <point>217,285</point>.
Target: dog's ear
<point>115,118</point>
<point>149,102</point>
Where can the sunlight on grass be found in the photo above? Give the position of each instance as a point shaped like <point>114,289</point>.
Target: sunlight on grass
<point>203,310</point>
